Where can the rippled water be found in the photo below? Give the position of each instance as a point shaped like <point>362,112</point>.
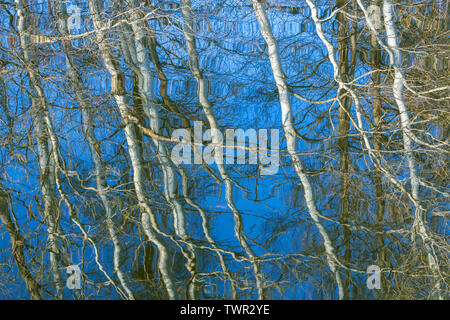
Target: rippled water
<point>248,235</point>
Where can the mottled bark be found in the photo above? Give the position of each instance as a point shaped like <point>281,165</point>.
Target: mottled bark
<point>377,111</point>
<point>194,66</point>
<point>93,143</point>
<point>18,247</point>
<point>149,223</point>
<point>141,55</point>
<point>46,161</point>
<point>288,126</point>
<point>344,101</point>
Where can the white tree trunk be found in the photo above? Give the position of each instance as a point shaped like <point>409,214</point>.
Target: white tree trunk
<point>149,222</point>
<point>188,31</point>
<point>46,163</point>
<point>287,122</point>
<point>398,85</point>
<point>94,146</point>
<point>396,61</point>
<point>139,53</point>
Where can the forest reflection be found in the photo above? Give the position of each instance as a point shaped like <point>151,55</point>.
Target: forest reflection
<point>91,93</point>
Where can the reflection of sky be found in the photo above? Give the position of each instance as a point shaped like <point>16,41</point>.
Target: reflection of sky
<point>247,104</point>
<point>244,96</point>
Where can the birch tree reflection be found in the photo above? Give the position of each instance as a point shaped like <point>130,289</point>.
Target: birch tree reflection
<point>93,94</point>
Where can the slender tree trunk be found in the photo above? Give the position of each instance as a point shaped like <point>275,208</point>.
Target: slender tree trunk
<point>288,126</point>
<point>343,131</point>
<point>149,222</point>
<point>145,51</point>
<point>377,110</point>
<point>145,89</point>
<point>396,61</point>
<point>94,145</point>
<point>405,123</point>
<point>18,246</point>
<point>46,162</point>
<point>194,65</point>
